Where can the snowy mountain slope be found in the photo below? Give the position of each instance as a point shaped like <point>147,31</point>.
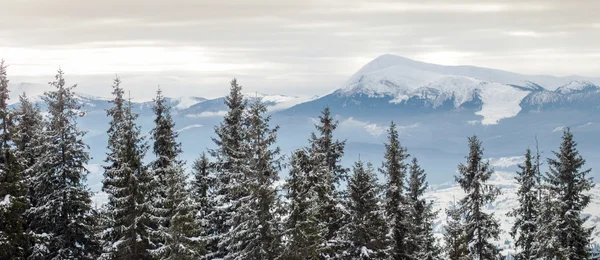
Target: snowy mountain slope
<point>485,74</point>
<point>444,196</point>
<point>392,85</point>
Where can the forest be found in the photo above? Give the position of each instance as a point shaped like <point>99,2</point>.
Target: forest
<point>231,203</point>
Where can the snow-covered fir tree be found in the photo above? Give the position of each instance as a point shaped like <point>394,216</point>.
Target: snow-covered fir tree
<point>127,183</point>
<point>202,188</point>
<point>526,215</point>
<point>255,234</point>
<point>304,233</point>
<point>111,181</point>
<point>177,235</point>
<point>231,160</point>
<point>421,241</point>
<point>62,217</point>
<point>480,228</point>
<point>325,154</point>
<point>454,235</point>
<point>396,209</point>
<point>365,231</point>
<point>569,184</point>
<point>27,137</point>
<point>14,239</point>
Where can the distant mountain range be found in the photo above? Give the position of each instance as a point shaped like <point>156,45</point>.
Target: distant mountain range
<point>435,106</point>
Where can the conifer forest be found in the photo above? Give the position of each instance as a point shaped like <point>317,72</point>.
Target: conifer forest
<point>231,203</point>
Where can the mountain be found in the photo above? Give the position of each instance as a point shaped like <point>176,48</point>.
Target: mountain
<point>435,107</point>
<point>392,85</point>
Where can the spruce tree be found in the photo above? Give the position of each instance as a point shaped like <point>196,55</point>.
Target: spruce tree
<point>231,158</point>
<point>255,233</point>
<point>526,215</point>
<point>13,190</point>
<point>112,179</point>
<point>366,229</point>
<point>480,227</point>
<point>325,154</point>
<point>62,218</point>
<point>202,188</point>
<point>396,210</point>
<point>177,235</point>
<point>305,234</point>
<point>454,236</point>
<point>570,185</point>
<point>27,138</point>
<point>421,242</point>
<point>127,183</point>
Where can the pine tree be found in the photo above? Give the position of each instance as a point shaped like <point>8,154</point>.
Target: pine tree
<point>13,190</point>
<point>524,229</point>
<point>305,234</point>
<point>326,153</point>
<point>231,157</point>
<point>63,218</point>
<point>27,138</point>
<point>127,183</point>
<point>396,210</point>
<point>255,233</point>
<point>480,227</point>
<point>177,235</point>
<point>421,242</point>
<point>112,179</point>
<point>203,186</point>
<point>570,185</point>
<point>454,236</point>
<point>366,229</point>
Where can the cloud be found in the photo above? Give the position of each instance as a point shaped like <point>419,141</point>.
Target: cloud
<point>282,47</point>
<point>208,114</point>
<point>189,127</point>
<point>372,128</point>
<point>559,129</point>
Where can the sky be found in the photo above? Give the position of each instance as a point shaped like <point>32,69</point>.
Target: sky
<point>292,47</point>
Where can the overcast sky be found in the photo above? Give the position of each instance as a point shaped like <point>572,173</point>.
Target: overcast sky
<point>298,47</point>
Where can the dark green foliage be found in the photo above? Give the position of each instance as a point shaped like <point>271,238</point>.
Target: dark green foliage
<point>421,242</point>
<point>62,217</point>
<point>366,229</point>
<point>567,187</point>
<point>479,227</point>
<point>14,239</point>
<point>524,230</point>
<point>304,232</point>
<point>396,209</point>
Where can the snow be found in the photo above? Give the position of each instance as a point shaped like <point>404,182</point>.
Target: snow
<point>385,78</point>
<point>445,195</point>
<point>5,201</point>
<point>499,102</point>
<point>575,86</point>
<point>186,102</point>
<point>505,162</point>
<point>484,74</point>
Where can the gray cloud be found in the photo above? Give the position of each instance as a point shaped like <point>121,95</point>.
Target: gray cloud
<point>291,47</point>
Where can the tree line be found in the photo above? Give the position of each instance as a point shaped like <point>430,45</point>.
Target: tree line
<point>233,206</point>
